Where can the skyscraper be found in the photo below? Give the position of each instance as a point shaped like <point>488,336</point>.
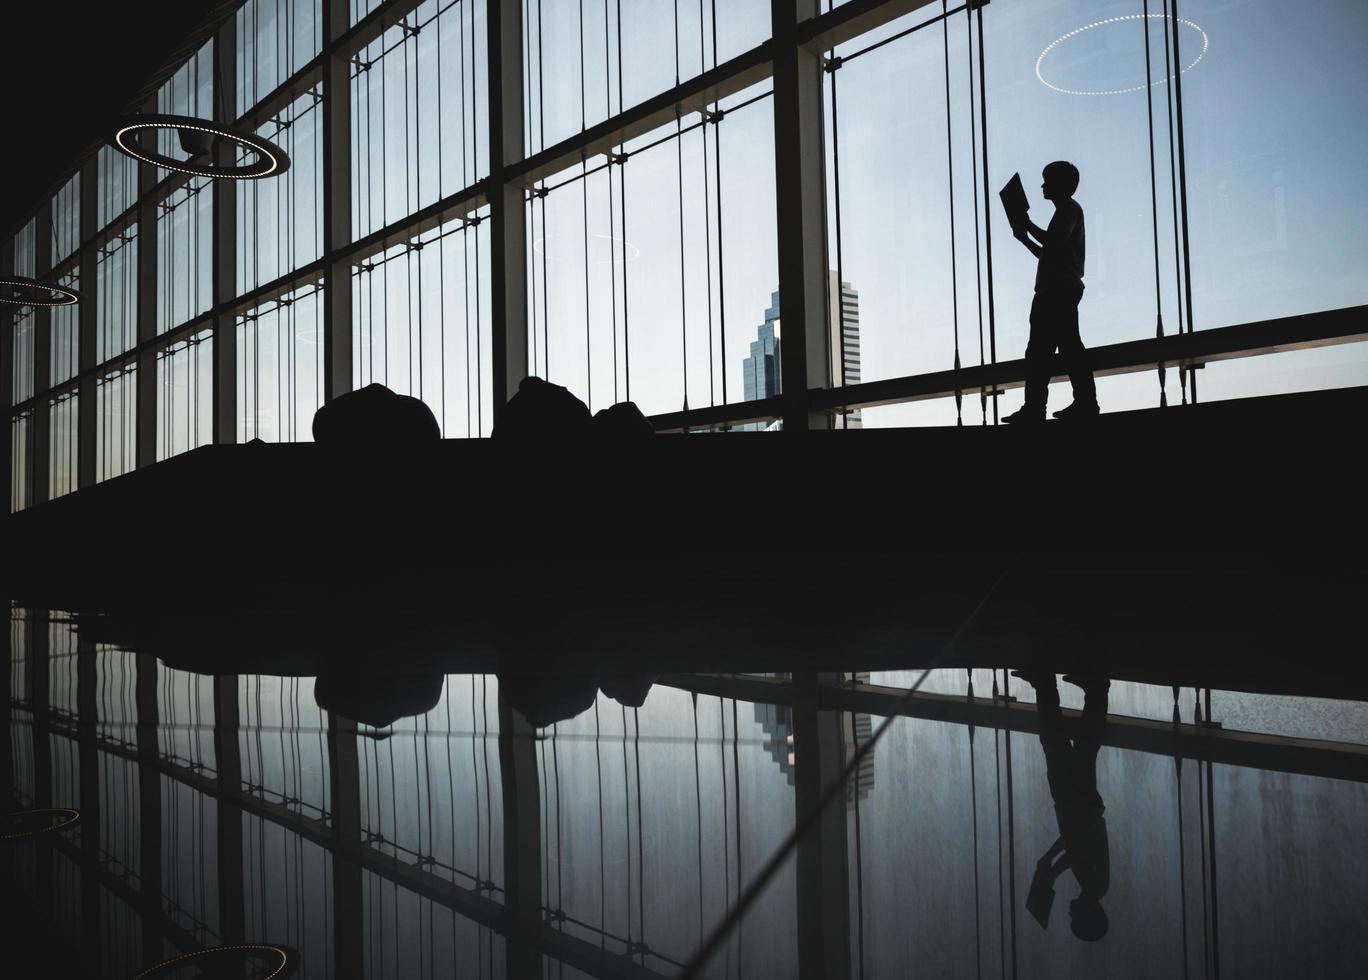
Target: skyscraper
<point>761,372</point>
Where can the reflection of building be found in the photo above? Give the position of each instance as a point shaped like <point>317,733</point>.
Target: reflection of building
<point>761,372</point>
<point>856,730</point>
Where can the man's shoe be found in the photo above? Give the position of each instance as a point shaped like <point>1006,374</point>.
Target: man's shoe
<point>1024,415</point>
<point>1078,410</point>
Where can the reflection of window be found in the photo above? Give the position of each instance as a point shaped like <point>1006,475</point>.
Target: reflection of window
<point>280,367</point>
<point>420,126</point>
<point>421,323</point>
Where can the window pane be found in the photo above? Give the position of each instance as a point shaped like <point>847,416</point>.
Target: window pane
<point>66,219</point>
<point>116,417</point>
<point>65,330</point>
<point>420,128</point>
<point>275,38</point>
<point>185,372</point>
<point>421,322</point>
<point>63,439</point>
<point>116,295</point>
<point>184,254</point>
<point>280,367</point>
<point>280,219</point>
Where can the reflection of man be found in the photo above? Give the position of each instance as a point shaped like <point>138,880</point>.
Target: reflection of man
<point>1071,768</point>
<point>1058,289</point>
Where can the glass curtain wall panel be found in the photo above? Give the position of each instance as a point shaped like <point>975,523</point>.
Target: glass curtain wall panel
<point>117,714</point>
<point>1277,179</point>
<point>280,367</point>
<point>118,187</point>
<point>678,851</point>
<point>63,442</point>
<point>421,323</point>
<point>24,324</point>
<point>116,417</point>
<point>420,118</point>
<point>62,667</point>
<point>903,205</point>
<point>64,329</point>
<point>275,39</point>
<point>586,63</point>
<point>189,859</point>
<point>22,434</point>
<point>184,254</point>
<point>1092,84</point>
<point>360,8</point>
<point>280,219</point>
<point>189,92</point>
<point>66,219</point>
<point>649,274</point>
<point>116,295</point>
<point>185,374</point>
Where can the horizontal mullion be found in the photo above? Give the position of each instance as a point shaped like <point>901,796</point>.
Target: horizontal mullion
<point>373,25</point>
<point>853,19</point>
<point>1348,325</point>
<point>735,413</point>
<point>697,93</point>
<point>436,214</point>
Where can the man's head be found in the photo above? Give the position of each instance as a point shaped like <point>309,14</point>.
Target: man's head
<point>1060,180</point>
<point>1088,918</point>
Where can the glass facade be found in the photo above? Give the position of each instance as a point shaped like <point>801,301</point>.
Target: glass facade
<point>642,177</point>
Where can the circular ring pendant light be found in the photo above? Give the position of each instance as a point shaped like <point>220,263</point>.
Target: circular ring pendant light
<point>23,291</point>
<point>261,961</point>
<point>197,138</point>
<point>1206,44</point>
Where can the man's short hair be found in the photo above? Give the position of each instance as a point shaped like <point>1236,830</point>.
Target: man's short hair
<point>1065,173</point>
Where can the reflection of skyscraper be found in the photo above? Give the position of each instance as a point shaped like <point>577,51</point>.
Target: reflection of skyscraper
<point>761,372</point>
<point>856,730</point>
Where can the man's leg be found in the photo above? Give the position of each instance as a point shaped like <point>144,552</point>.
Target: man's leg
<point>1076,360</point>
<point>1039,352</point>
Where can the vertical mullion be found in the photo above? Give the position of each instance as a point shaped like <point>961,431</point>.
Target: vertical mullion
<point>86,425</point>
<point>223,247</point>
<point>145,412</point>
<point>508,216</point>
<point>42,360</point>
<point>228,764</point>
<point>337,216</point>
<point>149,789</point>
<point>8,314</point>
<point>800,207</point>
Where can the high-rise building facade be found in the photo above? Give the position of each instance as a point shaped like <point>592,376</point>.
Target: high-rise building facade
<point>762,374</point>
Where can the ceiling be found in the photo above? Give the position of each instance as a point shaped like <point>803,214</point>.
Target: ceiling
<point>69,71</point>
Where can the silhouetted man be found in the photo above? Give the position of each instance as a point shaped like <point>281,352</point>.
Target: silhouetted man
<point>1071,768</point>
<point>1054,311</point>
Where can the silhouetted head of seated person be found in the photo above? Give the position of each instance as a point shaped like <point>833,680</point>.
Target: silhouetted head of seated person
<point>550,414</point>
<point>1088,918</point>
<point>378,700</point>
<point>375,419</point>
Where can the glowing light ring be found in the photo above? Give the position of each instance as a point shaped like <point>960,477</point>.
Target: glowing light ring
<point>271,159</point>
<point>1206,43</point>
<point>286,962</point>
<point>69,817</point>
<point>10,285</point>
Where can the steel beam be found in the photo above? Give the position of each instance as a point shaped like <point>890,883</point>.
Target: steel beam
<point>337,216</point>
<point>145,422</point>
<point>223,249</point>
<point>89,252</point>
<point>508,212</point>
<point>800,207</point>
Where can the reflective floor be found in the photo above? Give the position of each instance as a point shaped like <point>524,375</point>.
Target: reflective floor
<point>941,823</point>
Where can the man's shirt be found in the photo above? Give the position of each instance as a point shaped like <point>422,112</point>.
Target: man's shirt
<point>1061,254</point>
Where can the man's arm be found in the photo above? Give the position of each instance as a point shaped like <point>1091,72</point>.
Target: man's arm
<point>1023,233</point>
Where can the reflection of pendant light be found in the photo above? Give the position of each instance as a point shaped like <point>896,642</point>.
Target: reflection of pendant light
<point>30,823</point>
<point>198,137</point>
<point>281,961</point>
<point>1206,43</point>
<point>23,291</point>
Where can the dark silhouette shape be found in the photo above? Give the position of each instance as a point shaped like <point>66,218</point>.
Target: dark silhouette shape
<point>544,699</point>
<point>1071,768</point>
<point>622,421</point>
<point>543,412</point>
<point>374,418</point>
<point>627,689</point>
<point>1058,290</point>
<point>378,700</point>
